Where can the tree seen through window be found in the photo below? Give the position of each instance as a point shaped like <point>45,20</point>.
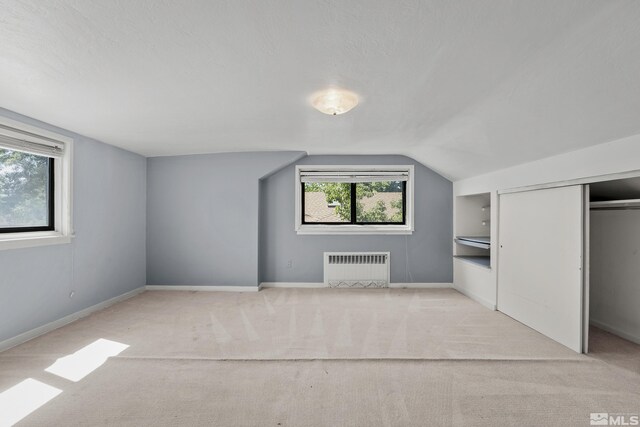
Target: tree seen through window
<point>24,189</point>
<point>375,202</point>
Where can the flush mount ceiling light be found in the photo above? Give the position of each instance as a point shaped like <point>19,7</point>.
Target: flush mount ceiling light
<point>334,101</point>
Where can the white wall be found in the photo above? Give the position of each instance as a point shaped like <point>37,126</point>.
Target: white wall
<point>615,272</point>
<point>592,164</point>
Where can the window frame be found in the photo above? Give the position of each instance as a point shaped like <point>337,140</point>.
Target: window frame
<point>59,230</point>
<point>353,227</point>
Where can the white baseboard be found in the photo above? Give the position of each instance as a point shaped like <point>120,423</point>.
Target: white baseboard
<point>292,285</point>
<point>203,288</point>
<point>490,305</point>
<point>615,331</point>
<point>41,330</point>
<point>323,285</point>
<point>421,285</point>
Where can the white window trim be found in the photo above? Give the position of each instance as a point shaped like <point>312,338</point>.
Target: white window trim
<point>406,228</point>
<point>63,232</point>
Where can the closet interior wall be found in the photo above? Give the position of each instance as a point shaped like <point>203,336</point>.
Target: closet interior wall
<point>615,257</point>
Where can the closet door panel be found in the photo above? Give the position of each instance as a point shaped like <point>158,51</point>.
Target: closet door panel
<point>586,277</point>
<point>540,276</point>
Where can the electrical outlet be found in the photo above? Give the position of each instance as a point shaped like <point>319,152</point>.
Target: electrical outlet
<point>289,263</point>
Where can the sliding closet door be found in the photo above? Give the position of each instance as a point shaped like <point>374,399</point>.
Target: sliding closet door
<point>540,278</point>
<point>586,244</point>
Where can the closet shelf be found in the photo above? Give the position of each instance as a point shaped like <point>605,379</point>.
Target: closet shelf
<point>482,261</point>
<point>482,242</point>
<point>616,204</point>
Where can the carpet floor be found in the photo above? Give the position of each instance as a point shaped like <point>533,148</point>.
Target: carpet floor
<point>322,357</point>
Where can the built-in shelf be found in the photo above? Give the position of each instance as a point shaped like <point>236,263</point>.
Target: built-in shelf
<point>482,242</point>
<point>616,204</point>
<point>482,261</point>
<point>472,228</point>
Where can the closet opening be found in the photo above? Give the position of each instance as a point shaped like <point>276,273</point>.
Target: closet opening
<point>614,271</point>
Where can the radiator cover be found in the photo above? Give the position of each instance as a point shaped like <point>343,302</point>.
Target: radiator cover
<point>356,269</point>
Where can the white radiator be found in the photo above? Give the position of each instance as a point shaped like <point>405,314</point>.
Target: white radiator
<point>356,269</point>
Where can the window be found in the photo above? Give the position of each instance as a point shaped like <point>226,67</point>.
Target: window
<point>35,186</point>
<point>354,200</point>
<point>26,192</point>
<point>379,202</point>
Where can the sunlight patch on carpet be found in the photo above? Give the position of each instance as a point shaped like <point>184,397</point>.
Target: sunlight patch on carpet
<point>78,365</point>
<point>24,398</point>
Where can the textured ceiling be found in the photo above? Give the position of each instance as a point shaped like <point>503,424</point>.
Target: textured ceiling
<point>463,86</point>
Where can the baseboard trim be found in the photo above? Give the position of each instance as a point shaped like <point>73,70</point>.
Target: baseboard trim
<point>421,285</point>
<point>203,288</point>
<point>323,285</point>
<point>490,305</point>
<point>51,326</point>
<point>615,331</point>
<point>292,285</point>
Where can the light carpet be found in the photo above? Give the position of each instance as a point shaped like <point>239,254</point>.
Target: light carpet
<point>305,324</point>
<point>323,357</point>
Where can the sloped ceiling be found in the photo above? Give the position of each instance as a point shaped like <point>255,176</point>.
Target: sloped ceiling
<point>463,86</point>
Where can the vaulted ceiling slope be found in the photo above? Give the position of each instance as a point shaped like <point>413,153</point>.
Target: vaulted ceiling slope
<point>463,86</point>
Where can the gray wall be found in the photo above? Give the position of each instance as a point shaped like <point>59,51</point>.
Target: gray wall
<point>216,219</point>
<point>424,256</point>
<point>202,217</point>
<point>105,259</point>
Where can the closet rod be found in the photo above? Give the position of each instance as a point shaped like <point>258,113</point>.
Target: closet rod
<point>618,208</point>
<point>616,205</point>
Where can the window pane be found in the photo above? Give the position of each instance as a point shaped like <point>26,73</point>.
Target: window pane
<point>379,202</point>
<point>327,202</point>
<point>24,189</point>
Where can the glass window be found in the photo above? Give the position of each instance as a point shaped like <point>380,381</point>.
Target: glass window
<point>26,192</point>
<point>380,202</point>
<point>327,202</point>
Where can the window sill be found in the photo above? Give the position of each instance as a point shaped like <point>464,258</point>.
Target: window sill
<point>354,229</point>
<point>30,240</point>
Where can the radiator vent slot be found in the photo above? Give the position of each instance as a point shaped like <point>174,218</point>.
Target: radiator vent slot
<point>356,270</point>
<point>358,259</point>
